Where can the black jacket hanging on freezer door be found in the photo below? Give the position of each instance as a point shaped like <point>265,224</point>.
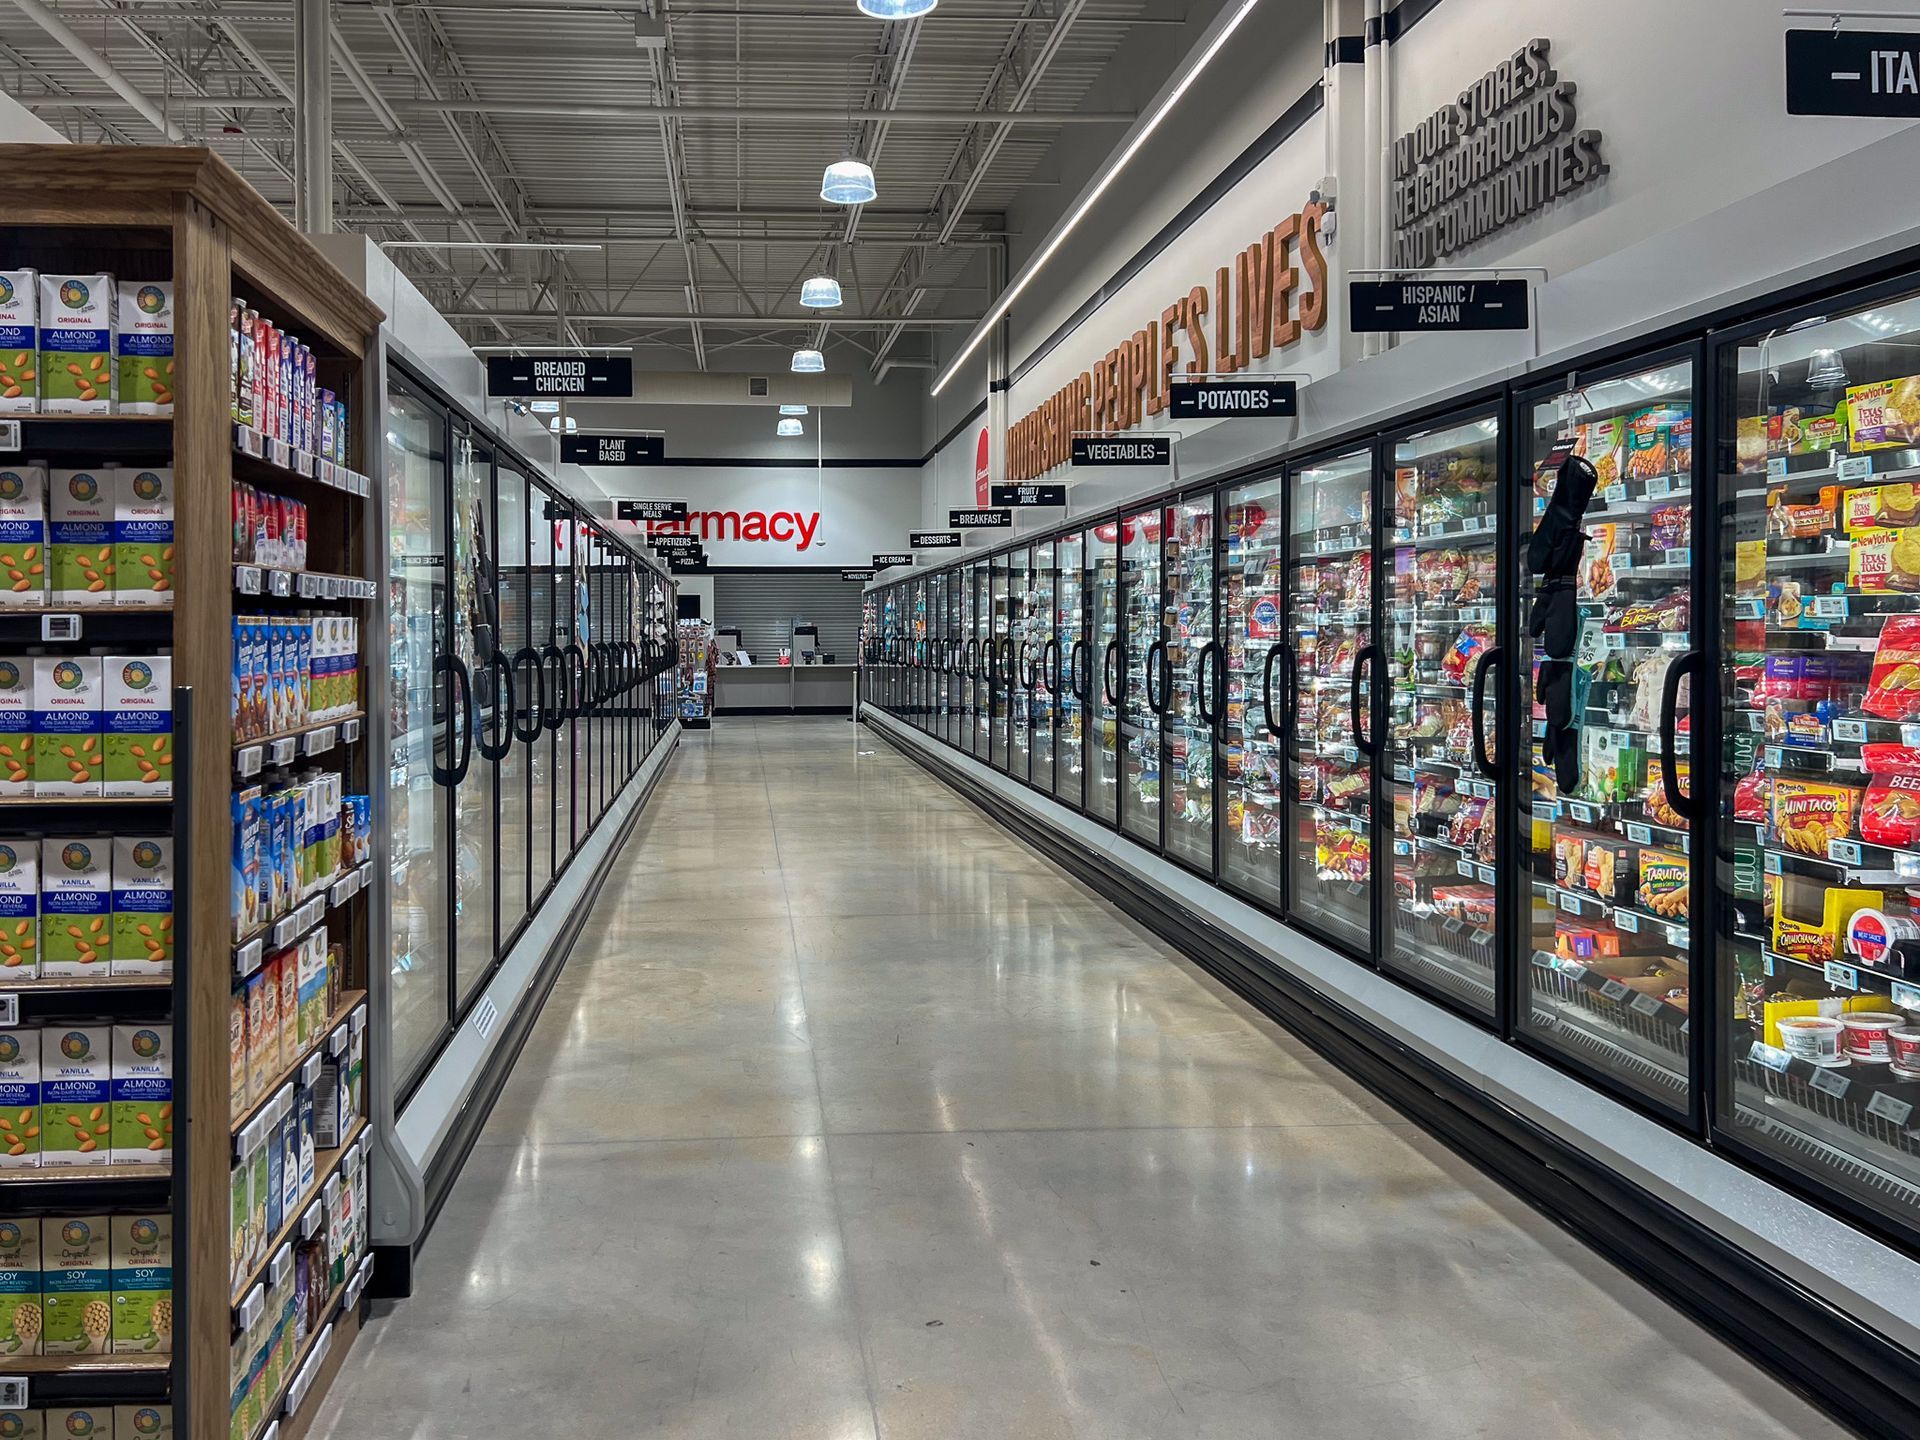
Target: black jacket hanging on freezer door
<point>1553,556</point>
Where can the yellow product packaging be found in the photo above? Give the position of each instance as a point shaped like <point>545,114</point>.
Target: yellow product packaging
<point>1832,1007</point>
<point>1877,507</point>
<point>1884,414</point>
<point>1885,562</point>
<point>1810,940</point>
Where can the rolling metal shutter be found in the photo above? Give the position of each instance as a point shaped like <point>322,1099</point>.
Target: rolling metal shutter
<point>765,604</point>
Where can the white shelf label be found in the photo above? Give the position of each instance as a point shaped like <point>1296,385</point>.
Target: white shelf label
<point>1771,862</point>
<point>1847,852</point>
<point>65,627</point>
<point>1830,1082</point>
<point>1614,493</point>
<point>1614,990</point>
<point>1851,468</point>
<point>318,742</point>
<point>1485,872</point>
<point>1645,1005</point>
<point>1639,834</point>
<point>1482,937</point>
<point>1464,867</point>
<point>1677,936</point>
<point>1829,607</point>
<point>246,959</point>
<point>1658,487</point>
<point>282,751</point>
<point>9,1010</point>
<point>1582,812</point>
<point>1850,730</point>
<point>1905,995</point>
<point>1889,1109</point>
<point>247,579</point>
<point>1776,467</point>
<point>249,760</point>
<point>1843,976</point>
<point>1569,903</point>
<point>1770,1056</point>
<point>9,435</point>
<point>1626,920</point>
<point>349,731</point>
<point>279,582</point>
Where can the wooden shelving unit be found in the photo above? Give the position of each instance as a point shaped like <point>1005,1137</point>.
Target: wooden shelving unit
<point>180,213</point>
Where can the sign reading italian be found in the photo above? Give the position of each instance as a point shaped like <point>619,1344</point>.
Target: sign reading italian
<point>882,562</point>
<point>934,539</point>
<point>560,375</point>
<point>643,510</point>
<point>1233,399</point>
<point>1507,147</point>
<point>1437,305</point>
<point>1140,450</point>
<point>613,449</point>
<point>1853,72</point>
<point>980,519</point>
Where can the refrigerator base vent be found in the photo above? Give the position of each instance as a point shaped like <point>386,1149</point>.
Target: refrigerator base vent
<point>1611,1055</point>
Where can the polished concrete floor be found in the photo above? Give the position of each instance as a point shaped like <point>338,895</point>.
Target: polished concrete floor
<point>851,1117</point>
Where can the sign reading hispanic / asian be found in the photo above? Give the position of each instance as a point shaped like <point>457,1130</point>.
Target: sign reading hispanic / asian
<point>1437,305</point>
<point>650,510</point>
<point>980,519</point>
<point>1137,450</point>
<point>862,573</point>
<point>561,376</point>
<point>934,539</point>
<point>1506,148</point>
<point>1251,399</point>
<point>885,561</point>
<point>1854,72</point>
<point>613,449</point>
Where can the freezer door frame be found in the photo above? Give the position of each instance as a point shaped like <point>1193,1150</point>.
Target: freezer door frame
<point>1167,503</point>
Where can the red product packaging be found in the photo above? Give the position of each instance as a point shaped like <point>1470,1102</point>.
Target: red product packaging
<point>1753,797</point>
<point>1890,810</point>
<point>1893,690</point>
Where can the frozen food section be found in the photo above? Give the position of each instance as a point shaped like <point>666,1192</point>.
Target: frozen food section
<point>1259,673</point>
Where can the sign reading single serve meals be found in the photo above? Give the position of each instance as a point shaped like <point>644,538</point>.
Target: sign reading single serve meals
<point>560,375</point>
<point>649,510</point>
<point>613,449</point>
<point>1854,72</point>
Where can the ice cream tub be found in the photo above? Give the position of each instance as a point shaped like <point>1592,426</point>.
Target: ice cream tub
<point>1905,1044</point>
<point>1812,1038</point>
<point>1867,1039</point>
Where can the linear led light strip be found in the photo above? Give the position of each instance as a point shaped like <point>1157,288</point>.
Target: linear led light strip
<point>1092,197</point>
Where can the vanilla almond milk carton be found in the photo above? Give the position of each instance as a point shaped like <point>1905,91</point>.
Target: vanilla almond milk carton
<point>137,718</point>
<point>76,899</point>
<point>77,325</point>
<point>19,916</point>
<point>16,725</point>
<point>142,1116</point>
<point>19,342</point>
<point>19,1120</point>
<point>76,1095</point>
<point>142,905</point>
<point>145,346</point>
<point>67,754</point>
<point>23,535</point>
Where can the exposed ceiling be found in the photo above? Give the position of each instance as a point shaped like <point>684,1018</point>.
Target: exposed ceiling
<point>685,137</point>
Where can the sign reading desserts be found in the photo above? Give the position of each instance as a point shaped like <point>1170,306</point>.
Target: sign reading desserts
<point>1509,146</point>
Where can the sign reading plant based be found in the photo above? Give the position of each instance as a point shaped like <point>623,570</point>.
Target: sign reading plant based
<point>649,510</point>
<point>1437,305</point>
<point>892,558</point>
<point>1253,314</point>
<point>1508,147</point>
<point>560,375</point>
<point>1233,399</point>
<point>934,539</point>
<point>980,519</point>
<point>1137,450</point>
<point>613,449</point>
<point>1853,72</point>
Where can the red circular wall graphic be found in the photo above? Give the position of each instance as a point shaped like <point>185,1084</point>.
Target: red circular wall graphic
<point>981,470</point>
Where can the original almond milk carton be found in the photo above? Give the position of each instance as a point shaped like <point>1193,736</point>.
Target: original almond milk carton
<point>19,1122</point>
<point>16,725</point>
<point>144,310</point>
<point>19,917</point>
<point>137,721</point>
<point>143,537</point>
<point>80,536</point>
<point>19,342</point>
<point>23,535</point>
<point>67,758</point>
<point>76,344</point>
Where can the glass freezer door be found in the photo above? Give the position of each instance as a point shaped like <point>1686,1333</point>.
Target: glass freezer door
<point>1819,795</point>
<point>1195,682</point>
<point>1042,664</point>
<point>1144,687</point>
<point>1106,666</point>
<point>1253,591</point>
<point>1020,662</point>
<point>1609,853</point>
<point>1069,671</point>
<point>1441,588</point>
<point>1329,605</point>
<point>983,659</point>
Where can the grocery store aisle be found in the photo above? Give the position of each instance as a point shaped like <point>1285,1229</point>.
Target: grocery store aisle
<point>852,1117</point>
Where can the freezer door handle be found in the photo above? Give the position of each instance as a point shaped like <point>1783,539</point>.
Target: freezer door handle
<point>1156,661</point>
<point>1051,673</point>
<point>1669,704</point>
<point>1361,662</point>
<point>1106,672</point>
<point>1202,672</point>
<point>1274,652</point>
<point>527,655</point>
<point>1077,670</point>
<point>1489,767</point>
<point>971,664</point>
<point>496,750</point>
<point>457,670</point>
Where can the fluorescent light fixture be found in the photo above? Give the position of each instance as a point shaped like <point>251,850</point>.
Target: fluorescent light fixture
<point>510,347</point>
<point>545,407</point>
<point>808,362</point>
<point>488,245</point>
<point>848,182</point>
<point>1092,197</point>
<point>822,292</point>
<point>788,428</point>
<point>793,409</point>
<point>896,9</point>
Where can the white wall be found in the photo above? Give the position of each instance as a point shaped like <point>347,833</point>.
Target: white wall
<point>20,126</point>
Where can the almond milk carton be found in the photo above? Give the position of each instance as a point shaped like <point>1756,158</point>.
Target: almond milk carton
<point>142,1115</point>
<point>77,326</point>
<point>76,899</point>
<point>80,536</point>
<point>145,346</point>
<point>137,720</point>
<point>19,1122</point>
<point>76,1083</point>
<point>16,725</point>
<point>67,757</point>
<point>143,537</point>
<point>19,342</point>
<point>23,535</point>
<point>19,917</point>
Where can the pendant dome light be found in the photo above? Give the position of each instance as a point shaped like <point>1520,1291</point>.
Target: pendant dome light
<point>822,292</point>
<point>848,182</point>
<point>808,362</point>
<point>793,409</point>
<point>788,428</point>
<point>896,9</point>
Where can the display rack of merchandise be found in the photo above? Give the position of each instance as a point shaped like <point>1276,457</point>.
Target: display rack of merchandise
<point>187,465</point>
<point>1143,697</point>
<point>1253,590</point>
<point>1194,668</point>
<point>695,674</point>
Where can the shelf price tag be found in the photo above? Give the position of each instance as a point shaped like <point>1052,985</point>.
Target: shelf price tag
<point>9,1010</point>
<point>1484,872</point>
<point>279,582</point>
<point>1639,834</point>
<point>1482,937</point>
<point>1659,486</point>
<point>1453,925</point>
<point>1614,493</point>
<point>1776,757</point>
<point>1582,812</point>
<point>1831,607</point>
<point>1771,1056</point>
<point>1626,920</point>
<point>1403,847</point>
<point>1615,990</point>
<point>1890,1109</point>
<point>1569,903</point>
<point>246,959</point>
<point>1677,936</point>
<point>1843,976</point>
<point>1645,1004</point>
<point>1850,469</point>
<point>1464,867</point>
<point>1855,730</point>
<point>1905,995</point>
<point>1830,1082</point>
<point>1847,852</point>
<point>246,579</point>
<point>248,761</point>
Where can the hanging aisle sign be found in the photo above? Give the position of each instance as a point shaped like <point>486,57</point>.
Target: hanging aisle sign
<point>1029,495</point>
<point>863,573</point>
<point>613,449</point>
<point>676,545</point>
<point>1437,305</point>
<point>1140,450</point>
<point>934,539</point>
<point>1854,72</point>
<point>649,510</point>
<point>980,519</point>
<point>1251,399</point>
<point>891,558</point>
<point>561,376</point>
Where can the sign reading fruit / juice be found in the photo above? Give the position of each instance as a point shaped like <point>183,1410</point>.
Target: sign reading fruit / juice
<point>76,344</point>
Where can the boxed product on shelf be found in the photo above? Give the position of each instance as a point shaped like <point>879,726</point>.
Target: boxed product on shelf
<point>1882,414</point>
<point>21,1296</point>
<point>23,534</point>
<point>16,726</point>
<point>19,910</point>
<point>20,1093</point>
<point>76,1091</point>
<point>241,325</point>
<point>19,342</point>
<point>263,1037</point>
<point>80,535</point>
<point>66,724</point>
<point>288,982</point>
<point>143,1422</point>
<point>246,913</point>
<point>77,327</point>
<point>142,905</point>
<point>76,1256</point>
<point>137,721</point>
<point>145,345</point>
<point>142,1277</point>
<point>76,894</point>
<point>142,1115</point>
<point>143,517</point>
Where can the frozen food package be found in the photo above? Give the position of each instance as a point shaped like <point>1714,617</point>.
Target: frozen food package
<point>1893,690</point>
<point>1884,413</point>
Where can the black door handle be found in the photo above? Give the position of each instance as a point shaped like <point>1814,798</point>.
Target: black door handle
<point>576,678</point>
<point>1266,690</point>
<point>465,710</point>
<point>1106,672</point>
<point>1154,667</point>
<point>530,732</point>
<point>972,663</point>
<point>1488,766</point>
<point>1052,673</point>
<point>1686,804</point>
<point>1077,670</point>
<point>496,750</point>
<point>1202,672</point>
<point>1364,659</point>
<point>554,715</point>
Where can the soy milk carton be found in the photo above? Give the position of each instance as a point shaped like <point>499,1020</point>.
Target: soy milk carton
<point>75,1092</point>
<point>19,342</point>
<point>144,310</point>
<point>67,756</point>
<point>19,917</point>
<point>143,1422</point>
<point>137,717</point>
<point>16,725</point>
<point>143,537</point>
<point>77,327</point>
<point>20,1287</point>
<point>77,1281</point>
<point>23,535</point>
<point>80,536</point>
<point>142,1255</point>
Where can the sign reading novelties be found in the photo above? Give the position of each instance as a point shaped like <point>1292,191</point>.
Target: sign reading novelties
<point>1437,305</point>
<point>650,510</point>
<point>1027,495</point>
<point>1252,399</point>
<point>980,519</point>
<point>1123,450</point>
<point>561,376</point>
<point>891,558</point>
<point>613,449</point>
<point>862,573</point>
<point>934,539</point>
<point>1853,72</point>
